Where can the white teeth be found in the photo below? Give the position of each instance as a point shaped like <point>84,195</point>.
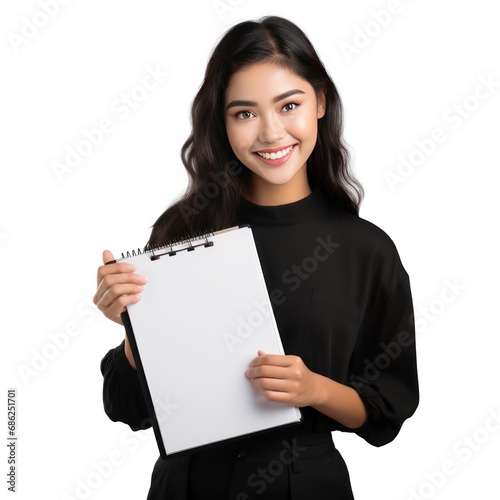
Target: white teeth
<point>273,156</point>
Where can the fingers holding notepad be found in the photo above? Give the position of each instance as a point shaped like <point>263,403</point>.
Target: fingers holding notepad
<point>117,287</point>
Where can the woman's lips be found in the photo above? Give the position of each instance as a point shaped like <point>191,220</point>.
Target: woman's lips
<point>273,156</point>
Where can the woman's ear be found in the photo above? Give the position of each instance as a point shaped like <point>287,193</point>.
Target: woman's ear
<point>321,104</point>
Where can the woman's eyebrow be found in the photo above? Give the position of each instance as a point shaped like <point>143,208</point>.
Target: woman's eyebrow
<point>278,98</point>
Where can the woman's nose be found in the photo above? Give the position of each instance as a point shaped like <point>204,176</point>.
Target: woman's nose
<point>272,130</point>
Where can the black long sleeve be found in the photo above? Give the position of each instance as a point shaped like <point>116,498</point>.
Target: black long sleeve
<point>122,394</point>
<point>383,365</point>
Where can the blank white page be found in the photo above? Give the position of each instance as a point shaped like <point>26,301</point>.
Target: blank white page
<point>203,316</point>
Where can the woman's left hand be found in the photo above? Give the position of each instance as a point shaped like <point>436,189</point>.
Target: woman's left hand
<point>285,379</point>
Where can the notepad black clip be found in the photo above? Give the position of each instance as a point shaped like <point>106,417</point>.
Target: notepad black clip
<point>171,252</point>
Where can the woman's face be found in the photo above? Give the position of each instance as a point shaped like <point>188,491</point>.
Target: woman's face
<point>271,117</point>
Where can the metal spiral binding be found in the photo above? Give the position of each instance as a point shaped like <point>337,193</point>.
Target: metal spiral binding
<point>132,253</point>
<point>167,247</point>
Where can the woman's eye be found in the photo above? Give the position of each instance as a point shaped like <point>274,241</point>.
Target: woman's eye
<point>244,114</point>
<point>290,106</point>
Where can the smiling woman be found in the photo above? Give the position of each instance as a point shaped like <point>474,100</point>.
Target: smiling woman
<point>266,130</point>
<point>339,291</point>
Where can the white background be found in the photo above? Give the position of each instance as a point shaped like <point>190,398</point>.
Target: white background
<point>406,81</point>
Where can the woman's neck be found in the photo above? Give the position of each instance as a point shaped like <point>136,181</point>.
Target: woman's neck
<point>264,193</point>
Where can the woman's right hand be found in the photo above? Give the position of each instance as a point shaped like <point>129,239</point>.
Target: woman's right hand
<point>117,287</point>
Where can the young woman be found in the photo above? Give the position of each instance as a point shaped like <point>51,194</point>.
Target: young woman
<point>266,149</point>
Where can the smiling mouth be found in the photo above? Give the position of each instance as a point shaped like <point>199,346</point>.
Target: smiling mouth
<point>275,155</point>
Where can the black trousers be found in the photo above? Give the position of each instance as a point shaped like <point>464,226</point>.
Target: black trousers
<point>301,468</point>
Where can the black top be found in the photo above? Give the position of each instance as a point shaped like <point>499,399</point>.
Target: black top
<point>342,302</point>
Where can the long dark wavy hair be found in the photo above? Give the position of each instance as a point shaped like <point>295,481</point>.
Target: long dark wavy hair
<point>216,176</point>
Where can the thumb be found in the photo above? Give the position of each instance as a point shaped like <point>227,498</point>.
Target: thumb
<point>107,256</point>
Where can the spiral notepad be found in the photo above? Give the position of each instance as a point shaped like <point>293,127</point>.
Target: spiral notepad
<point>202,317</point>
